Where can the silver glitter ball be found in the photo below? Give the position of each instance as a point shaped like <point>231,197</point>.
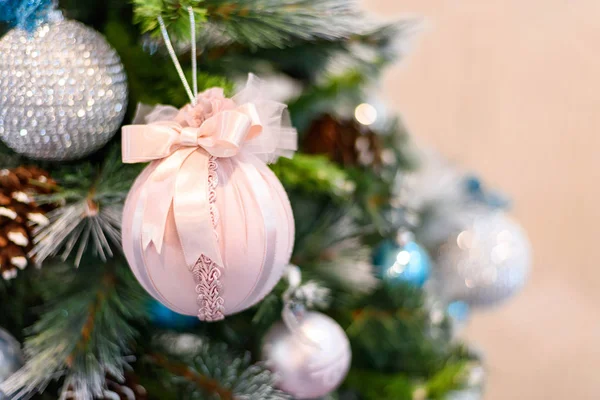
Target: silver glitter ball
<point>485,262</point>
<point>11,357</point>
<point>63,91</point>
<point>310,362</point>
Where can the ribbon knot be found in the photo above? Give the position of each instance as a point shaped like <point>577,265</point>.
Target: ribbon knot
<point>222,135</point>
<point>188,137</point>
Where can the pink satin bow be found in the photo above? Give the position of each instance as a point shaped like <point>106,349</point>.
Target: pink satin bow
<point>222,135</point>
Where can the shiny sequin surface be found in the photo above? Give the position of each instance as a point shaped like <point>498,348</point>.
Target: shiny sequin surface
<point>63,91</point>
<point>487,262</point>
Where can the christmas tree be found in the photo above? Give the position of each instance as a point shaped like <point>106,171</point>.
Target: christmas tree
<point>148,249</point>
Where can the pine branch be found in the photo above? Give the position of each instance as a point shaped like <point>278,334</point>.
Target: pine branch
<point>303,38</point>
<point>313,174</point>
<point>269,309</point>
<point>345,267</point>
<point>255,23</point>
<point>391,331</point>
<point>276,23</point>
<point>202,382</point>
<point>144,67</point>
<point>84,331</point>
<point>329,245</point>
<point>8,158</point>
<point>174,12</point>
<point>345,89</point>
<point>90,215</point>
<point>454,376</point>
<point>373,385</point>
<point>201,370</point>
<point>16,312</point>
<point>367,50</point>
<point>313,61</point>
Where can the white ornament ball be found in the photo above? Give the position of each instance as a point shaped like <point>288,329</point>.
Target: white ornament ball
<point>63,91</point>
<point>484,263</point>
<point>308,370</point>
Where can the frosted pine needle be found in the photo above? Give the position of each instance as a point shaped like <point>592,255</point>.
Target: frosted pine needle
<point>75,226</point>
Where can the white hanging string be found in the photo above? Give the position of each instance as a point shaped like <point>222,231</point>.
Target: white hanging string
<point>186,85</point>
<point>194,61</point>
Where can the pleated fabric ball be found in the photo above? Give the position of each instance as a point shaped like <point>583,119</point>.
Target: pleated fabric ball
<point>207,227</point>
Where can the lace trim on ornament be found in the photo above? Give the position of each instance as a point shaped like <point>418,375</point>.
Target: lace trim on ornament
<point>206,275</point>
<point>206,272</point>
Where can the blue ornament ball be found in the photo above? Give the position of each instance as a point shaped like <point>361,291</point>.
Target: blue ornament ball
<point>459,311</point>
<point>166,318</point>
<point>407,262</point>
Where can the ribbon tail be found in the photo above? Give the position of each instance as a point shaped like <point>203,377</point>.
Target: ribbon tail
<point>160,190</point>
<point>192,210</point>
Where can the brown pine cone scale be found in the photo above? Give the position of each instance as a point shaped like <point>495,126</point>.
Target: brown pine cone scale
<point>20,214</point>
<point>128,389</point>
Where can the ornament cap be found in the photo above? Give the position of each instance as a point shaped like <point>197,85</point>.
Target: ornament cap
<point>404,237</point>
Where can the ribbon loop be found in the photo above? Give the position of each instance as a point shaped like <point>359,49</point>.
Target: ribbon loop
<point>221,136</point>
<point>221,126</point>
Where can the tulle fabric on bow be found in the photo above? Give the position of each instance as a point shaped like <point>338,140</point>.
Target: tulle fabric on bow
<point>216,127</point>
<point>222,127</point>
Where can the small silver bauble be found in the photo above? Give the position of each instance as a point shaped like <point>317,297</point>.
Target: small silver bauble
<point>486,262</point>
<point>311,362</point>
<point>474,384</point>
<point>63,91</point>
<point>11,357</point>
<point>467,394</point>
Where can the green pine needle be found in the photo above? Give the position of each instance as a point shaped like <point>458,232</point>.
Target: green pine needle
<point>175,14</point>
<point>313,174</point>
<point>204,370</point>
<point>84,331</point>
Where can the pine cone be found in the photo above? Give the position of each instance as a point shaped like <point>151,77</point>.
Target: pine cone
<point>129,389</point>
<point>20,214</point>
<point>346,142</point>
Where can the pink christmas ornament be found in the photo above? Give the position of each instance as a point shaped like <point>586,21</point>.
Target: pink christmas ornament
<point>207,227</point>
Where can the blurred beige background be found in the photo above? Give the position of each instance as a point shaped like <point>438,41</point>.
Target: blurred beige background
<point>511,89</point>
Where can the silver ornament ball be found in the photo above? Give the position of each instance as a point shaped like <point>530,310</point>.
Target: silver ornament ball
<point>63,91</point>
<point>486,262</point>
<point>310,362</point>
<point>467,394</point>
<point>11,357</point>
